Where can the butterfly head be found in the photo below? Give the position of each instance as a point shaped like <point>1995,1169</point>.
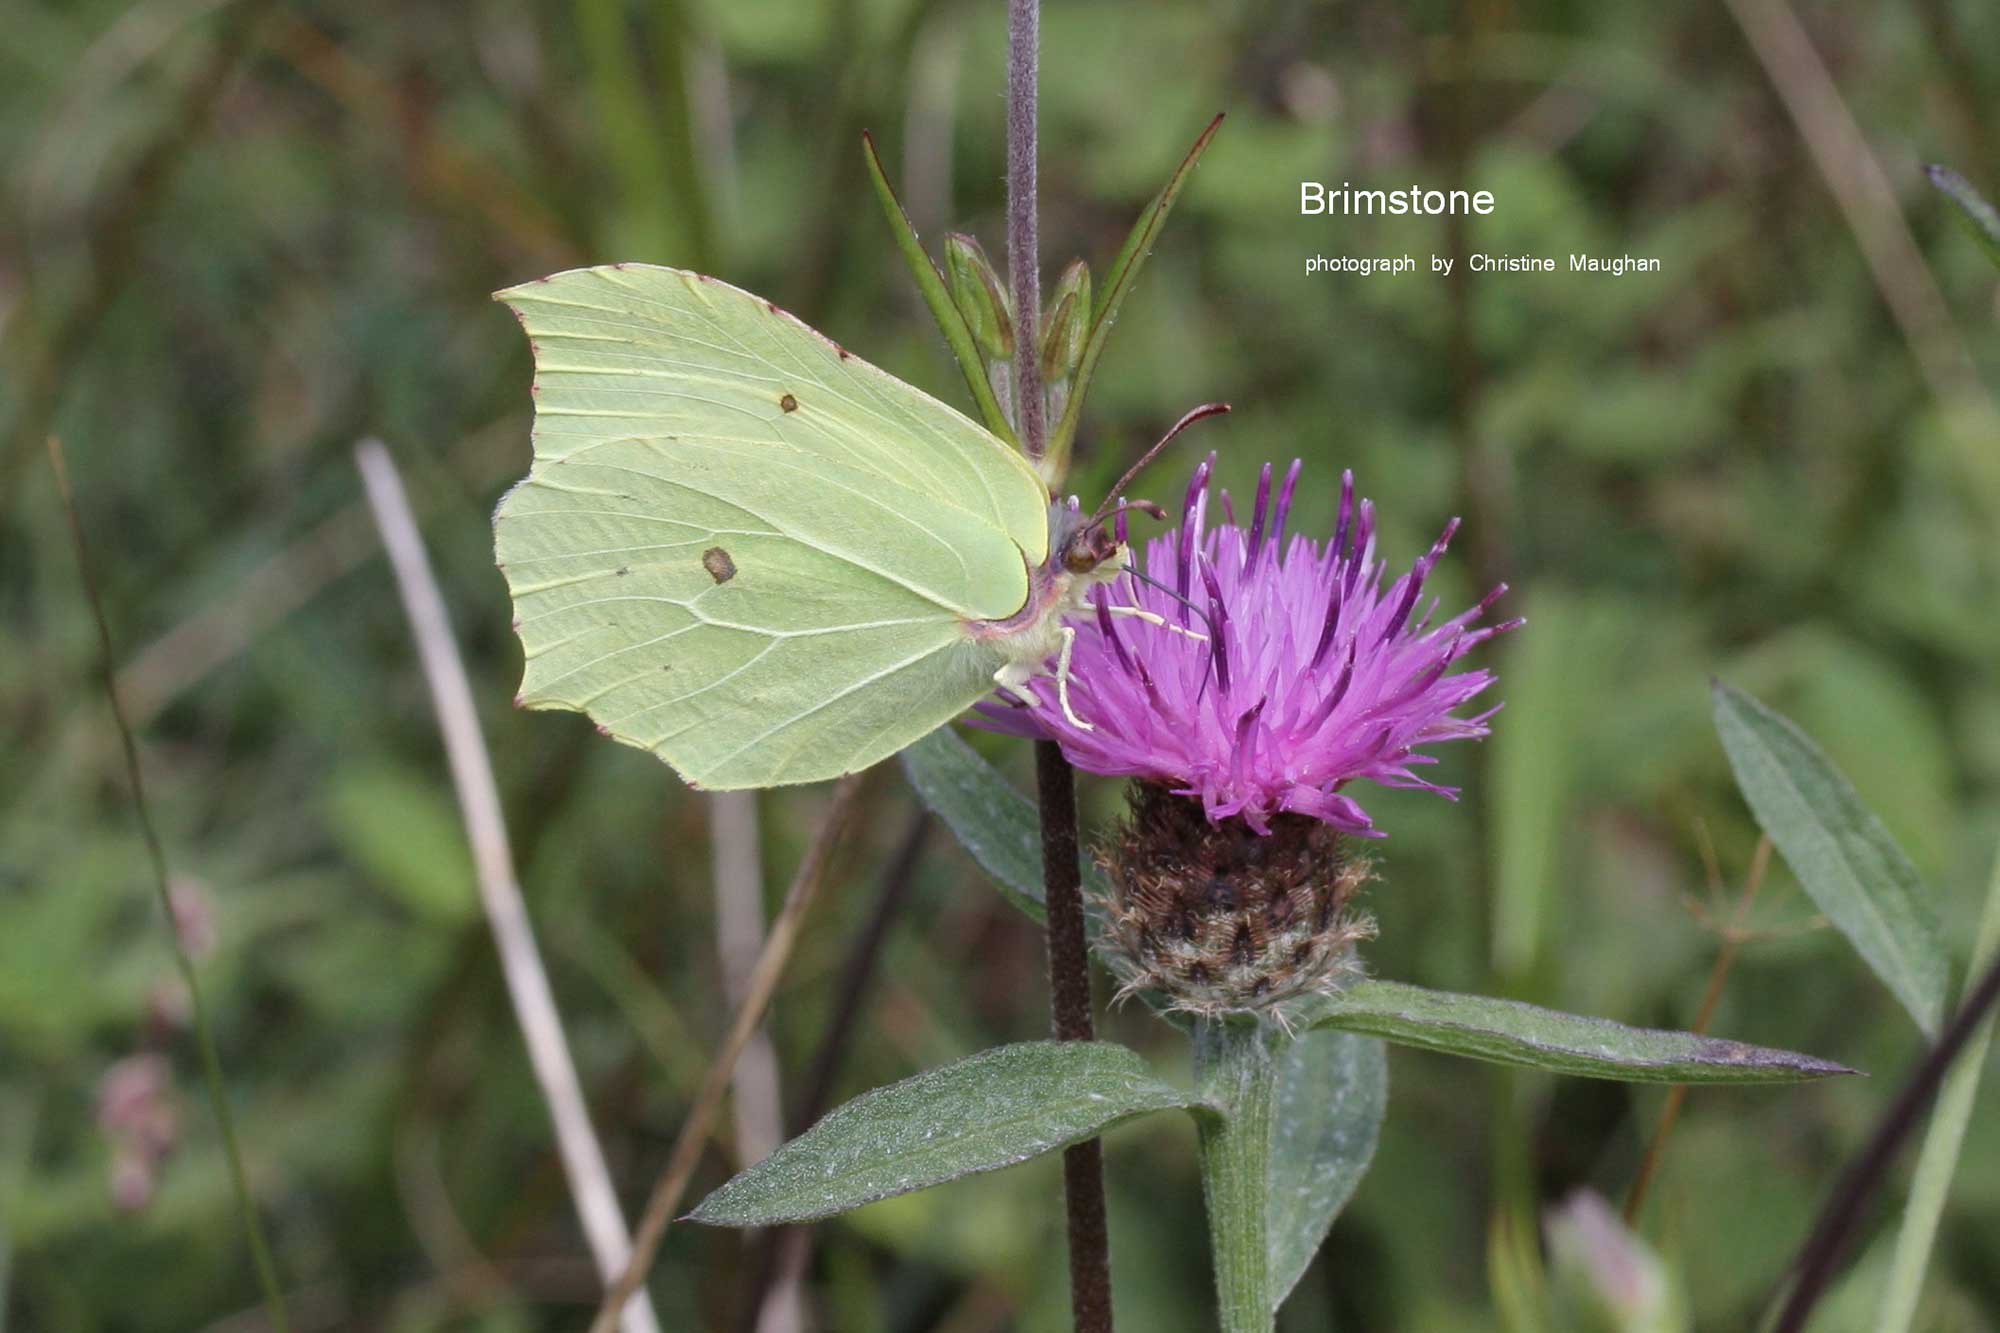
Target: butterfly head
<point>1089,548</point>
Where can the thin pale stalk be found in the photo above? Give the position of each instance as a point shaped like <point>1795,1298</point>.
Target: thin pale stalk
<point>1938,1161</point>
<point>756,1101</point>
<point>499,887</point>
<point>1236,1072</point>
<point>156,852</point>
<point>686,1152</point>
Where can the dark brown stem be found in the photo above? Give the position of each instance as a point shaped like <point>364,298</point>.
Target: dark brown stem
<point>1832,1234</point>
<point>1069,994</point>
<point>1062,876</point>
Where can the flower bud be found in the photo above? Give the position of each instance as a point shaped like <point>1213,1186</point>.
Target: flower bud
<point>1066,324</point>
<point>1219,918</point>
<point>136,1113</point>
<point>980,296</point>
<point>1606,1279</point>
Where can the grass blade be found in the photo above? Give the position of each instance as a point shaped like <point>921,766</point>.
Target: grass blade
<point>211,1063</point>
<point>1972,207</point>
<point>1938,1161</point>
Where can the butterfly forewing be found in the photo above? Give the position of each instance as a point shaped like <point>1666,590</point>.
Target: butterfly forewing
<point>743,548</point>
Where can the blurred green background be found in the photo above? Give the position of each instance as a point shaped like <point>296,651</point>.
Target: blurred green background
<point>238,236</point>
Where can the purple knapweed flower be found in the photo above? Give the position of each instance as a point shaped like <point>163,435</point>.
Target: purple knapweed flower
<point>1285,668</point>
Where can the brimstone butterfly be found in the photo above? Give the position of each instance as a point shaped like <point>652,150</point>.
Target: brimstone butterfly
<point>751,552</point>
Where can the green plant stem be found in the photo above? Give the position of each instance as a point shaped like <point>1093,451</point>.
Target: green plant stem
<point>1938,1161</point>
<point>211,1063</point>
<point>1236,1073</point>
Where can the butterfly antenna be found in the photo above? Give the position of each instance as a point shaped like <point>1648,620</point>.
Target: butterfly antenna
<point>1152,582</point>
<point>1205,410</point>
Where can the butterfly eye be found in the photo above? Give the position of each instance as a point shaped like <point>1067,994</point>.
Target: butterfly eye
<point>1089,549</point>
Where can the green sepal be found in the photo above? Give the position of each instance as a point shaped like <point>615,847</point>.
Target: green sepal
<point>1066,324</point>
<point>931,284</point>
<point>980,296</point>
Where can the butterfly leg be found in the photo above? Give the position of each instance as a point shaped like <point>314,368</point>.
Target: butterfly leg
<point>1062,679</point>
<point>1154,618</point>
<point>1012,677</point>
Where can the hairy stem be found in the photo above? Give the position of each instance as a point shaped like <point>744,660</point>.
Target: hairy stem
<point>1236,1071</point>
<point>1069,959</point>
<point>1024,22</point>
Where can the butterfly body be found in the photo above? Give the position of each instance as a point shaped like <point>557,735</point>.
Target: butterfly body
<point>756,555</point>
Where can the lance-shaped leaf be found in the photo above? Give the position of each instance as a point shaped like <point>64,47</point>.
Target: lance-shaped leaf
<point>1333,1088</point>
<point>1978,215</point>
<point>957,335</point>
<point>998,1108</point>
<point>1510,1033</point>
<point>1843,856</point>
<point>990,818</point>
<point>1118,282</point>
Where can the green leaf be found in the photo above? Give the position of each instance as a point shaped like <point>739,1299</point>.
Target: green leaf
<point>403,833</point>
<point>1333,1088</point>
<point>1843,856</point>
<point>1507,1032</point>
<point>990,818</point>
<point>995,1109</point>
<point>1978,215</point>
<point>1118,283</point>
<point>957,334</point>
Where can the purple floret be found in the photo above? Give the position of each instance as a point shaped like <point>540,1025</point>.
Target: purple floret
<point>1312,673</point>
